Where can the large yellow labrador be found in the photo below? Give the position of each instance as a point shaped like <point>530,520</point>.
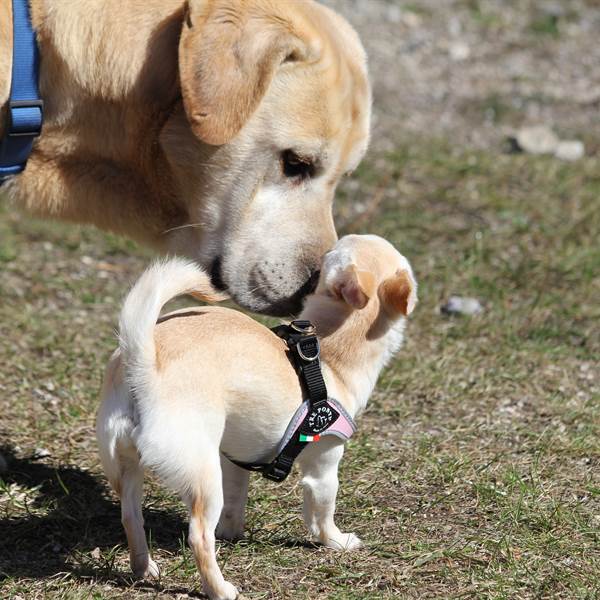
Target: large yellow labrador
<point>217,129</point>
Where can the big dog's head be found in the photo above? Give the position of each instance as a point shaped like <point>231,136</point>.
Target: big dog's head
<point>276,109</point>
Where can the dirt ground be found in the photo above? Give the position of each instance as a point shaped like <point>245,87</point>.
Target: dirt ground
<point>475,470</point>
<point>472,71</point>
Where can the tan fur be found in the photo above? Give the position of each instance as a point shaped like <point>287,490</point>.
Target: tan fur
<point>174,331</point>
<point>202,544</point>
<point>227,60</point>
<point>355,287</point>
<point>396,293</point>
<point>165,119</point>
<point>5,57</point>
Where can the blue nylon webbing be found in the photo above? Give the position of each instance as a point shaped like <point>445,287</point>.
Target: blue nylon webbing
<point>25,113</point>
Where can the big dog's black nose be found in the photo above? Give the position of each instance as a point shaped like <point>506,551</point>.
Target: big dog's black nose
<point>293,305</point>
<point>216,277</point>
<point>309,286</point>
<point>315,280</point>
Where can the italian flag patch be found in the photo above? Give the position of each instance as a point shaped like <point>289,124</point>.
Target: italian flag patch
<point>309,438</point>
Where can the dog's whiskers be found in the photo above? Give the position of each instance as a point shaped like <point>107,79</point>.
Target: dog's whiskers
<point>259,287</point>
<point>181,227</point>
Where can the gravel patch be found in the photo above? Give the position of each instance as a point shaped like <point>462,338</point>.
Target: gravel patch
<point>476,70</point>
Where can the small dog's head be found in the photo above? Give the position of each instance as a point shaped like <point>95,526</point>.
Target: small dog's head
<point>366,269</point>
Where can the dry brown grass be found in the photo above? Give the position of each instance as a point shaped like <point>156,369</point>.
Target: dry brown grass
<point>475,470</point>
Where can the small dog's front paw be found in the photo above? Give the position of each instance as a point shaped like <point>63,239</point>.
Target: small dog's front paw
<point>228,591</point>
<point>152,570</point>
<point>343,541</point>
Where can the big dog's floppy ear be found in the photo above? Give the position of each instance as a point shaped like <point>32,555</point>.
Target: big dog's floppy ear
<point>398,294</point>
<point>228,54</point>
<point>353,286</point>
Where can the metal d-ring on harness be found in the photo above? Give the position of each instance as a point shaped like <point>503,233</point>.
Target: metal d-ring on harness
<point>317,416</point>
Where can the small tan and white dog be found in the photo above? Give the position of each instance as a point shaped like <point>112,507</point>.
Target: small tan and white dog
<point>208,382</point>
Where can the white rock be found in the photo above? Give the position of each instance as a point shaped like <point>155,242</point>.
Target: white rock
<point>458,305</point>
<point>41,452</point>
<point>538,139</point>
<point>570,150</point>
<point>459,51</point>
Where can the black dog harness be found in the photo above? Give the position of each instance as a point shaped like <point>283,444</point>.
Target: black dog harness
<point>317,416</point>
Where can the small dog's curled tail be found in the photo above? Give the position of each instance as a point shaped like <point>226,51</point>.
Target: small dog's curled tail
<point>161,282</point>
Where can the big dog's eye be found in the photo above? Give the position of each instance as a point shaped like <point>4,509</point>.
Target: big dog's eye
<point>296,166</point>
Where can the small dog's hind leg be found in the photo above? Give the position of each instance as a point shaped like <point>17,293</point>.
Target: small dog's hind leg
<point>235,492</point>
<point>206,504</point>
<point>131,493</point>
<point>319,464</point>
<point>121,463</point>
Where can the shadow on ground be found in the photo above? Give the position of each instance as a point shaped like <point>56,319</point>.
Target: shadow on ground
<point>77,516</point>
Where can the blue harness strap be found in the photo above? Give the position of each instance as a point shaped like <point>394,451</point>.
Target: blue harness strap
<point>25,107</point>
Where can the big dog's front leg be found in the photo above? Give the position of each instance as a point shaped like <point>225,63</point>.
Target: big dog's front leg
<point>319,463</point>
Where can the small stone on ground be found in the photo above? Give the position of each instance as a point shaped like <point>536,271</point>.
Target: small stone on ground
<point>458,305</point>
<point>538,139</point>
<point>570,150</point>
<point>41,453</point>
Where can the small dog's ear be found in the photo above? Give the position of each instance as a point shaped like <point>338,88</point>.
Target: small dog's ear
<point>354,286</point>
<point>398,294</point>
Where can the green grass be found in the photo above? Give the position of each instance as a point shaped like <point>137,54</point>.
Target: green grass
<point>545,25</point>
<point>475,470</point>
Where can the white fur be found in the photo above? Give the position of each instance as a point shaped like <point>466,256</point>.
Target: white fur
<point>362,382</point>
<point>158,284</point>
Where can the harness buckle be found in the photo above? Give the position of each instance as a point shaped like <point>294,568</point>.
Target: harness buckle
<point>308,348</point>
<point>304,327</point>
<point>25,118</point>
<point>279,469</point>
<point>275,474</point>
